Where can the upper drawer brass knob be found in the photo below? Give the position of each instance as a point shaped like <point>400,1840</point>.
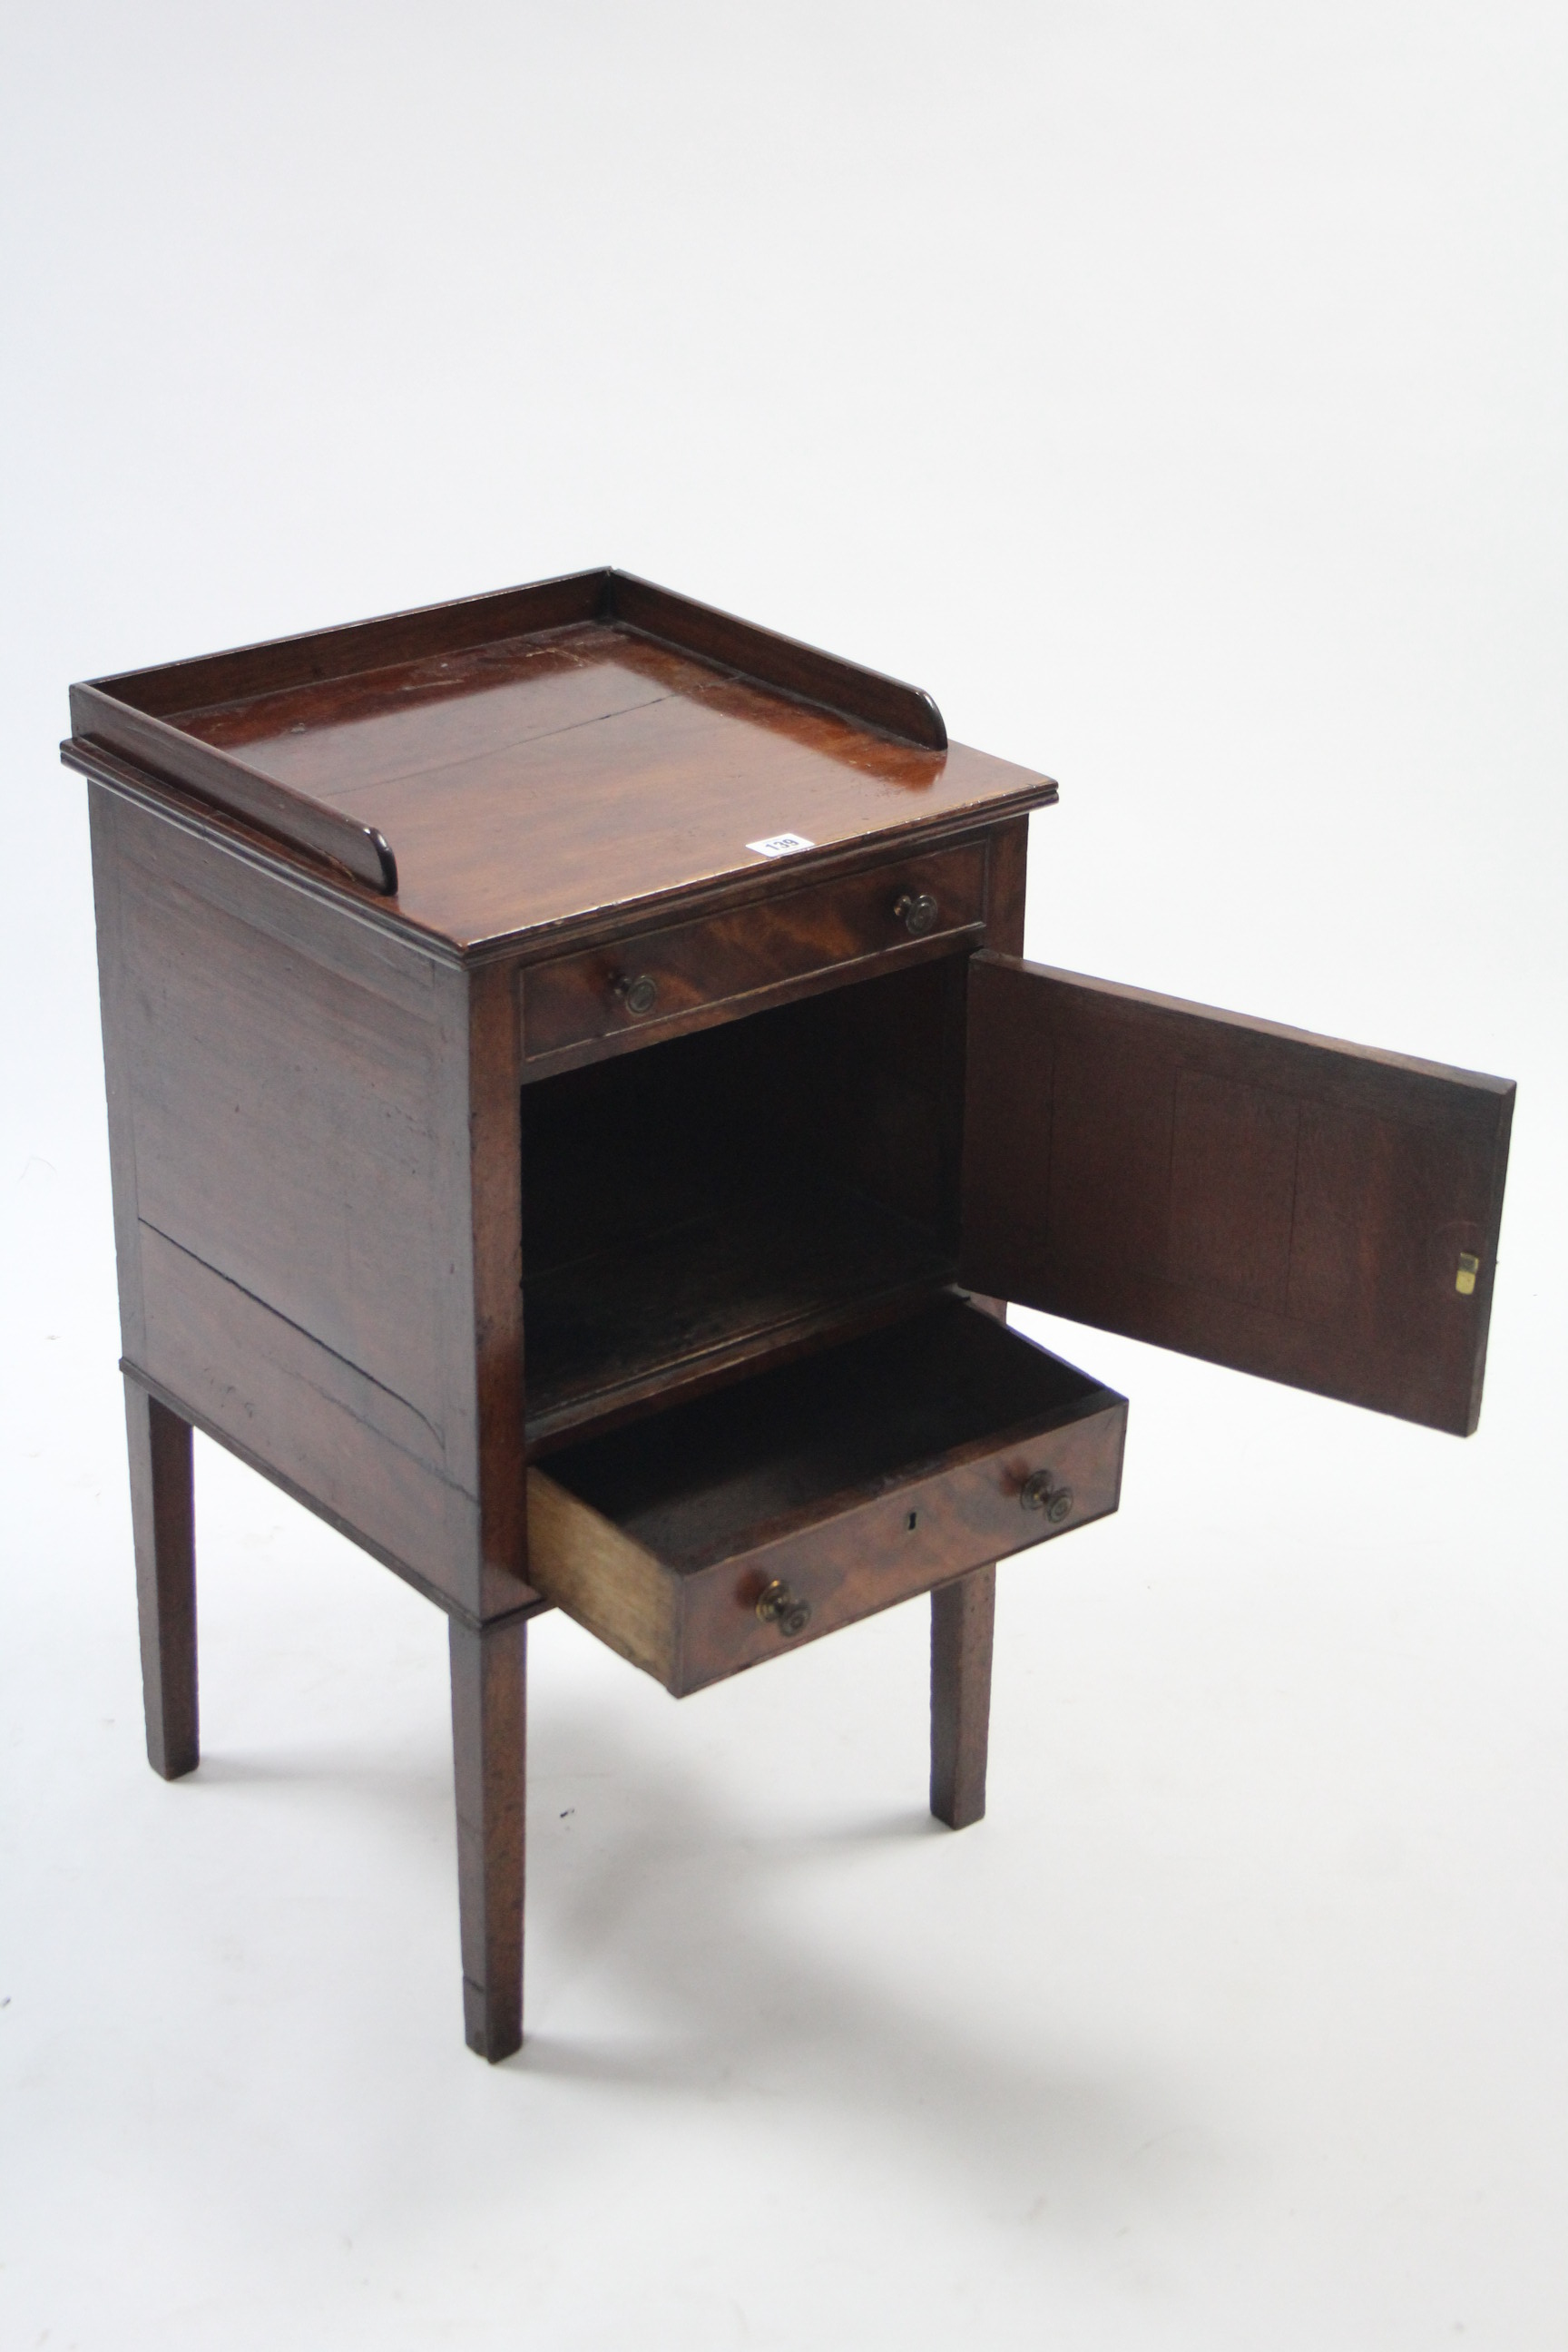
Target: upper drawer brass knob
<point>777,1606</point>
<point>1041,1492</point>
<point>636,991</point>
<point>917,910</point>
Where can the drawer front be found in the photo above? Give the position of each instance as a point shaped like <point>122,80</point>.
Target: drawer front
<point>657,981</point>
<point>900,1545</point>
<point>695,1627</point>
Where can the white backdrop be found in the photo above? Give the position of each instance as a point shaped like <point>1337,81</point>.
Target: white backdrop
<point>1179,395</point>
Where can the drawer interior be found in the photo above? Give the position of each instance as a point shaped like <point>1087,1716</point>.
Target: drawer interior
<point>763,1184</point>
<point>709,1478</point>
<point>864,1472</point>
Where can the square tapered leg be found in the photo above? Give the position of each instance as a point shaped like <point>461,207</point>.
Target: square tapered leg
<point>163,1519</point>
<point>963,1616</point>
<point>489,1686</point>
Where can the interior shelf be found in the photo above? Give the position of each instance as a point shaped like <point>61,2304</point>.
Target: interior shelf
<point>784,1264</point>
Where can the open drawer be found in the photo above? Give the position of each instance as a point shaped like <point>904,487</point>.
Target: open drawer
<point>727,1529</point>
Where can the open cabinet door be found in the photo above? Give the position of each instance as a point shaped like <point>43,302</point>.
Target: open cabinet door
<point>1318,1212</point>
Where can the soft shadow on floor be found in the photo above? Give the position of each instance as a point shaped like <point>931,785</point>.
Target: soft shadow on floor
<point>718,1947</point>
<point>732,1989</point>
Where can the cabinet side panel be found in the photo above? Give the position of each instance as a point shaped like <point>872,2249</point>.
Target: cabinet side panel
<point>1006,884</point>
<point>1318,1212</point>
<point>104,817</point>
<point>289,1096</point>
<point>288,1123</point>
<point>357,1454</point>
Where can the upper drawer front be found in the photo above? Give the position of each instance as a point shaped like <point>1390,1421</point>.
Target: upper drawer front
<point>645,983</point>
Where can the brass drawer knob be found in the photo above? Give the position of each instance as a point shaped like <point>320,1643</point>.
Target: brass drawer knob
<point>1041,1492</point>
<point>917,910</point>
<point>777,1606</point>
<point>637,991</point>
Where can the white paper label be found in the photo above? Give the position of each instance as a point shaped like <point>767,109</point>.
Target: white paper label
<point>781,844</point>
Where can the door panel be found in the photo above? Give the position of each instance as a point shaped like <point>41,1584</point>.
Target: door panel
<point>1284,1204</point>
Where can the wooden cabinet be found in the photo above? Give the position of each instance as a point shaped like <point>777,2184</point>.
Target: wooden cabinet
<point>577,1106</point>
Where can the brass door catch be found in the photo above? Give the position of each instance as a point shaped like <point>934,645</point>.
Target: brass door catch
<point>777,1606</point>
<point>1465,1280</point>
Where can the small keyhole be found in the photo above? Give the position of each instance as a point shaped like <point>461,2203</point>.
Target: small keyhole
<point>912,1522</point>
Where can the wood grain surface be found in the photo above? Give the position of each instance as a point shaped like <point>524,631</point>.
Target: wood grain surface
<point>963,1626</point>
<point>744,958</point>
<point>316,1169</point>
<point>605,746</point>
<point>490,1724</point>
<point>858,1476</point>
<point>162,1522</point>
<point>1284,1204</point>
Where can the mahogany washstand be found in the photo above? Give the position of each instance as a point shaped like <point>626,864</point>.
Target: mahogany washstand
<point>607,1200</point>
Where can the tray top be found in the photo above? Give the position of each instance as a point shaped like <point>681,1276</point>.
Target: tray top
<point>536,777</point>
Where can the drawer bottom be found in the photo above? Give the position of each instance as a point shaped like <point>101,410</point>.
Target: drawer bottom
<point>732,1529</point>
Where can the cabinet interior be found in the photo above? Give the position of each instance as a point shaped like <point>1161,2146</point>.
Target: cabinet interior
<point>765,1184</point>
